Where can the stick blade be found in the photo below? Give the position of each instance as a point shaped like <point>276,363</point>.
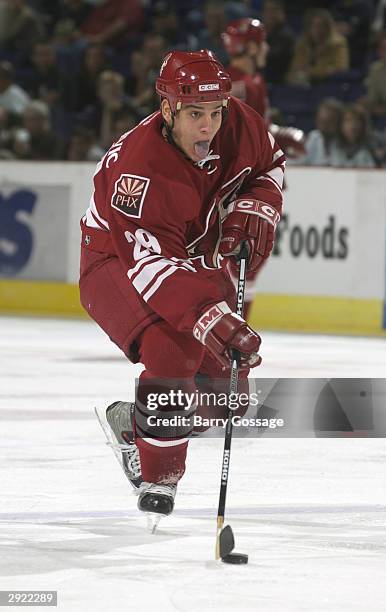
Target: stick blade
<point>227,541</point>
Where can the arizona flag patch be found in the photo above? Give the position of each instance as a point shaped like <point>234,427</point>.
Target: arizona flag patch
<point>129,194</point>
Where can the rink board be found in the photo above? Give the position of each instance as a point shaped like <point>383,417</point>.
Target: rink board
<point>42,299</point>
<point>326,274</point>
<point>318,314</point>
<point>272,312</point>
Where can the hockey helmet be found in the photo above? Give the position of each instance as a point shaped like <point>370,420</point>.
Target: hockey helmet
<point>192,77</point>
<point>238,33</point>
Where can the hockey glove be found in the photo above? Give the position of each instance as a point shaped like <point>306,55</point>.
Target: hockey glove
<point>220,330</point>
<point>253,222</point>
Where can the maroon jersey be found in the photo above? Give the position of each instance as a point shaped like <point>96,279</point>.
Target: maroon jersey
<point>160,213</point>
<point>251,89</point>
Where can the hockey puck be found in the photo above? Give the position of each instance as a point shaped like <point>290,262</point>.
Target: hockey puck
<point>235,559</point>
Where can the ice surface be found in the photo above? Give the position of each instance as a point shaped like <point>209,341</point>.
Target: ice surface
<point>310,513</point>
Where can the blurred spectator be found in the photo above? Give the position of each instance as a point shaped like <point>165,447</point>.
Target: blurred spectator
<point>83,146</point>
<point>379,146</point>
<point>280,39</point>
<point>145,64</point>
<point>111,102</point>
<point>112,97</point>
<point>376,84</point>
<point>48,12</point>
<point>353,145</point>
<point>64,34</point>
<point>76,10</point>
<point>35,139</point>
<point>113,21</point>
<point>123,122</point>
<point>321,143</point>
<point>140,88</point>
<point>43,79</point>
<point>12,97</point>
<point>154,48</point>
<point>67,46</point>
<point>5,133</point>
<point>80,88</point>
<point>165,22</point>
<point>320,52</point>
<point>215,20</point>
<point>353,20</point>
<point>20,26</point>
<point>65,69</point>
<point>379,21</point>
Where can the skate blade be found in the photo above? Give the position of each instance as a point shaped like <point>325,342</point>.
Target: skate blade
<point>100,414</point>
<point>152,521</point>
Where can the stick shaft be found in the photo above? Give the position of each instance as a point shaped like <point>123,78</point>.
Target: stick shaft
<point>232,390</point>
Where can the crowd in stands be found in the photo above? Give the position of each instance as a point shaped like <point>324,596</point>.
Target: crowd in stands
<point>76,74</point>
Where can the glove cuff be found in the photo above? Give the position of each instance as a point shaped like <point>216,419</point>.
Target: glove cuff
<point>209,319</point>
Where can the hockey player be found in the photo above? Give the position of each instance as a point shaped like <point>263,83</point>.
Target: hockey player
<point>245,43</point>
<point>173,200</point>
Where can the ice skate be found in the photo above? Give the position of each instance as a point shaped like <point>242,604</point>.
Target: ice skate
<point>156,500</point>
<point>117,423</point>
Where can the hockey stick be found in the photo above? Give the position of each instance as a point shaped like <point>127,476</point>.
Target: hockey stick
<point>225,541</point>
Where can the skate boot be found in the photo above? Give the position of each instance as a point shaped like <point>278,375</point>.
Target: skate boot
<point>156,500</point>
<point>117,423</point>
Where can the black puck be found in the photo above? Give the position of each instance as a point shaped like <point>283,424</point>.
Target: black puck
<point>235,559</point>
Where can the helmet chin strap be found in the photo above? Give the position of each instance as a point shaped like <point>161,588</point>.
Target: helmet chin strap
<point>169,135</point>
<point>169,129</point>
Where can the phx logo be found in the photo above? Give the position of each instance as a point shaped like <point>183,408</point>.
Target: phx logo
<point>129,194</point>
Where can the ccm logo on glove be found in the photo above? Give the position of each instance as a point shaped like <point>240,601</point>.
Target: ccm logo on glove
<point>252,222</point>
<point>220,330</point>
<point>258,208</point>
<point>208,319</point>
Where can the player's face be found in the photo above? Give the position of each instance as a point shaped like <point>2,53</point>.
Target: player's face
<point>195,126</point>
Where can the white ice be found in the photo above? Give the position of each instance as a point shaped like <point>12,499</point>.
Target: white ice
<point>310,512</point>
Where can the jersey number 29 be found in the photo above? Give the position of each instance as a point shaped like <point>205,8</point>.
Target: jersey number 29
<point>144,243</point>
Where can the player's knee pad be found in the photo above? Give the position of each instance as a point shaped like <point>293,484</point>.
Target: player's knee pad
<point>165,352</point>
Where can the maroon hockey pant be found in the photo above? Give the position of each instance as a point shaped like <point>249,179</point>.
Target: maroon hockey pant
<point>171,359</point>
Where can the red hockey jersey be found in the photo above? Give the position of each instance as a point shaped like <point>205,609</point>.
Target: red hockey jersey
<point>250,89</point>
<point>160,213</point>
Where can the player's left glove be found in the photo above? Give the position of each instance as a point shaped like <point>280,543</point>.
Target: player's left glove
<point>253,222</point>
<point>221,331</point>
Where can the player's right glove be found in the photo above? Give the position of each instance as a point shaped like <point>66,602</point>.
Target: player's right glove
<point>220,330</point>
<point>252,222</point>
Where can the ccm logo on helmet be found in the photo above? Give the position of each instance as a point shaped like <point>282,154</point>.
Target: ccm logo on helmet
<point>209,87</point>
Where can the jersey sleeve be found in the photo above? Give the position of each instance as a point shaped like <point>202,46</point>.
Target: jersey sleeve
<point>265,181</point>
<point>149,239</point>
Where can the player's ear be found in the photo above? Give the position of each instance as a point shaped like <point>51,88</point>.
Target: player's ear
<point>166,111</point>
